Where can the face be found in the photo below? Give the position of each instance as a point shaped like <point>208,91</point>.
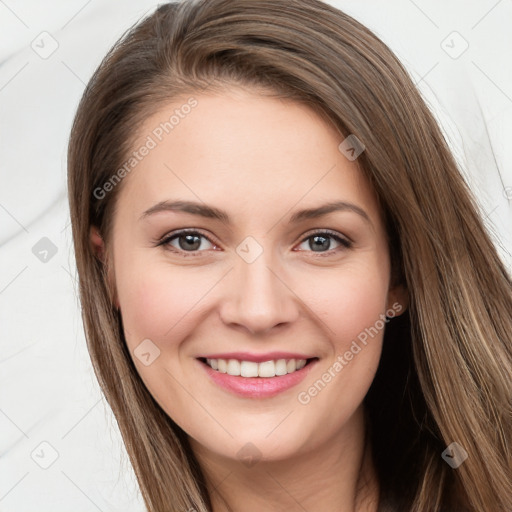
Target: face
<point>249,267</point>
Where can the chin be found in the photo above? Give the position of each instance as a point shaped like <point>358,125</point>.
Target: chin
<point>258,445</point>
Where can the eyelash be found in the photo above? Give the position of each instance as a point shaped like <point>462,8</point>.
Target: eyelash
<point>345,243</point>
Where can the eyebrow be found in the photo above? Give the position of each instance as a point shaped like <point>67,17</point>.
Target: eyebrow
<point>210,212</point>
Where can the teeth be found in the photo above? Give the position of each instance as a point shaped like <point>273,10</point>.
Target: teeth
<point>222,365</point>
<point>252,369</point>
<point>267,369</point>
<point>248,369</point>
<point>233,367</point>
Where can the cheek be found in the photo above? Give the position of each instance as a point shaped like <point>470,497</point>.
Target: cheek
<point>351,303</point>
<point>160,304</point>
<point>354,311</point>
<point>156,301</point>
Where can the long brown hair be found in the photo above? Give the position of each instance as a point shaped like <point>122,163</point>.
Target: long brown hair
<point>446,367</point>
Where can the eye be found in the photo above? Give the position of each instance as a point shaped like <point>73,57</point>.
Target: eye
<point>191,241</point>
<point>321,240</point>
<point>186,241</point>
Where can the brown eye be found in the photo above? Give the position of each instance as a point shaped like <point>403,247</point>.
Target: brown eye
<point>186,241</point>
<point>321,242</point>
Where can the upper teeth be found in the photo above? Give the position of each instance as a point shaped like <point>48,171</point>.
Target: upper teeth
<point>252,369</point>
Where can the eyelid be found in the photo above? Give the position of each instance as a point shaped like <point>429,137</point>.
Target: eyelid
<point>184,231</point>
<point>326,231</point>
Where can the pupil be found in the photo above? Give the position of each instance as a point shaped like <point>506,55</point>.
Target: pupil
<point>325,242</point>
<point>189,240</point>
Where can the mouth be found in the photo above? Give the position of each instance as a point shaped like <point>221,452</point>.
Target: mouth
<point>252,379</point>
<point>250,369</point>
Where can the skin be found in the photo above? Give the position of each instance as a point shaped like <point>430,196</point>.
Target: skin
<point>260,159</point>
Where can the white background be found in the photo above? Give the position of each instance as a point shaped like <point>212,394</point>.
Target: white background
<point>48,391</point>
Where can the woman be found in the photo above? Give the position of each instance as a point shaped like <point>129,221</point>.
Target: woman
<point>218,149</point>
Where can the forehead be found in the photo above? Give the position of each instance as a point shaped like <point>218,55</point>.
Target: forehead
<point>248,152</point>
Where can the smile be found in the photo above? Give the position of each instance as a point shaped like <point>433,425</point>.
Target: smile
<point>257,379</point>
<point>253,369</point>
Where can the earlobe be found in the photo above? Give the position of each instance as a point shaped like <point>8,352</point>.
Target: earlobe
<point>98,246</point>
<point>398,299</point>
<point>97,243</point>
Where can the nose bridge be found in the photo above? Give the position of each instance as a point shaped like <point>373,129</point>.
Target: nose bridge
<point>259,298</point>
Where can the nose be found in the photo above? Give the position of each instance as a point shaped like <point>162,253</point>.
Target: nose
<point>258,297</point>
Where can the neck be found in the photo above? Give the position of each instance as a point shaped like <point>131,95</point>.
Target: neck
<point>337,474</point>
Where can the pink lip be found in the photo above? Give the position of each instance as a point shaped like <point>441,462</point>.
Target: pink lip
<point>257,358</point>
<point>258,387</point>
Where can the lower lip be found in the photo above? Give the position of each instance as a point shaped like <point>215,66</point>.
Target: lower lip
<point>258,387</point>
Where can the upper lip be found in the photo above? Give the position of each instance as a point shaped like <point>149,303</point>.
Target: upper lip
<point>257,358</point>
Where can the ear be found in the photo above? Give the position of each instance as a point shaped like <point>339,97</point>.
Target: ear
<point>98,246</point>
<point>398,299</point>
<point>97,243</point>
